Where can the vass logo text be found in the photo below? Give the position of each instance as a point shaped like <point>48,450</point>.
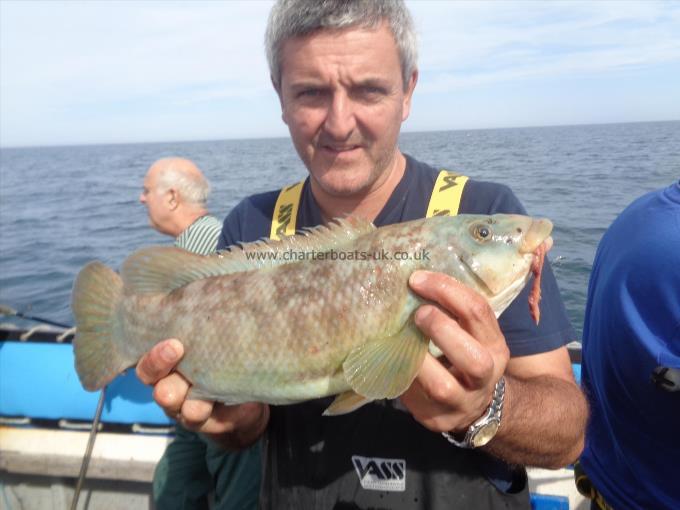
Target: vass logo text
<point>380,474</point>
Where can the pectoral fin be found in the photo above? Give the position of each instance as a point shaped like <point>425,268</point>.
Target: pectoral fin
<point>386,367</point>
<point>346,403</point>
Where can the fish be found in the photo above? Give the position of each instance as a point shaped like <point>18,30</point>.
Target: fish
<point>325,312</point>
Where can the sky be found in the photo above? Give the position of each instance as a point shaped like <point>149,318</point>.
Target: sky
<point>83,72</point>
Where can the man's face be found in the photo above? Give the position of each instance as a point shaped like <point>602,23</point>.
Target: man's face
<point>156,202</point>
<point>343,99</point>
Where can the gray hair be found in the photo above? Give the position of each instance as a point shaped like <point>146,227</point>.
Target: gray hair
<point>294,18</point>
<point>192,187</point>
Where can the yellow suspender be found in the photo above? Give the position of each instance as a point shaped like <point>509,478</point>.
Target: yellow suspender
<point>285,211</point>
<point>445,201</point>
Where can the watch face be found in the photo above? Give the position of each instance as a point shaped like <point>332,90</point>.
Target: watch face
<point>485,433</point>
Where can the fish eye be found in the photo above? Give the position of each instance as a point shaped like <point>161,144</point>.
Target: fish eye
<point>481,232</point>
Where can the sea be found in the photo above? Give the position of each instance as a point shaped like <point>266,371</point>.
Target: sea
<point>61,207</point>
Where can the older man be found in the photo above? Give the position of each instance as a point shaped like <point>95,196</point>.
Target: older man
<point>345,73</point>
<point>175,194</point>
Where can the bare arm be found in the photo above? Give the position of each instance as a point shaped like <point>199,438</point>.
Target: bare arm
<point>545,412</point>
<point>232,427</point>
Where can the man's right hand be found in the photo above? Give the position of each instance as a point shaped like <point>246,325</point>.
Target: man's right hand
<point>232,427</point>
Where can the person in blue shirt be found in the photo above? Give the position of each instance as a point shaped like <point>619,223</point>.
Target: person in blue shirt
<point>345,72</point>
<point>631,358</point>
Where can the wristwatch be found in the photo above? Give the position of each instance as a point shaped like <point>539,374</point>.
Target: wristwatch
<point>484,429</point>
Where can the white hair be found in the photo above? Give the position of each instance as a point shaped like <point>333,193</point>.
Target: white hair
<point>192,187</point>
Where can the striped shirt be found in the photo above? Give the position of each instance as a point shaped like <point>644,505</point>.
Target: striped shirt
<point>201,236</point>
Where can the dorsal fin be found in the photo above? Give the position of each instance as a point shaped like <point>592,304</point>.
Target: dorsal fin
<point>162,269</point>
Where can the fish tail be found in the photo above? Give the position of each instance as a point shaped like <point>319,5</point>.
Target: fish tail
<point>97,292</point>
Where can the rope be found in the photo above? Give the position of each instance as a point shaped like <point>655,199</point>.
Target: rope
<point>88,450</point>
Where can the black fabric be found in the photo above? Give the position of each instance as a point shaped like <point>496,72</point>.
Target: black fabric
<point>311,461</point>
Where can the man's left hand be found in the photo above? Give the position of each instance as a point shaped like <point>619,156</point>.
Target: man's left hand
<point>449,394</point>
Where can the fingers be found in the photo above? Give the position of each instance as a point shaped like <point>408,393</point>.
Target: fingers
<point>435,385</point>
<point>239,425</point>
<point>246,421</point>
<point>471,361</point>
<point>171,388</point>
<point>439,402</point>
<point>239,416</point>
<point>213,418</point>
<point>472,312</point>
<point>195,413</point>
<point>159,361</point>
<point>445,290</point>
<point>466,305</point>
<point>170,393</point>
<point>463,325</point>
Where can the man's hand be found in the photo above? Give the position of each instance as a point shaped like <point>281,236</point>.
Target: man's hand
<point>230,426</point>
<point>464,327</point>
<point>545,412</point>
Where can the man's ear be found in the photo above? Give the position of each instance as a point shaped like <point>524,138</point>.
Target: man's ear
<point>277,88</point>
<point>408,95</point>
<point>173,199</point>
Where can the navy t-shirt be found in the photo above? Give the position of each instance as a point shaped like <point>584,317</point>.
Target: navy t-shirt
<point>379,456</point>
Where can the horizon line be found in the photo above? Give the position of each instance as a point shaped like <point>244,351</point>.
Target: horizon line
<point>210,140</point>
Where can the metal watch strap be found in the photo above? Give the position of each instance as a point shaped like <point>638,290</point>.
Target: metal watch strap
<point>492,414</point>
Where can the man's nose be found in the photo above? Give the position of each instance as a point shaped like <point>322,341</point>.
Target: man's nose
<point>340,121</point>
<point>142,198</point>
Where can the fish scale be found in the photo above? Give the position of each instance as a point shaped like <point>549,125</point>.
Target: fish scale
<point>262,329</point>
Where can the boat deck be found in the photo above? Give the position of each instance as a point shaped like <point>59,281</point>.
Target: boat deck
<point>45,418</point>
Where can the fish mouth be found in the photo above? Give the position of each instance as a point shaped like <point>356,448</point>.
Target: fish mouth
<point>492,277</point>
<point>538,233</point>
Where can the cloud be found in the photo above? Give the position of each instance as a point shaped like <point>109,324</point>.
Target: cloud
<point>79,53</point>
<point>464,44</point>
<point>85,72</point>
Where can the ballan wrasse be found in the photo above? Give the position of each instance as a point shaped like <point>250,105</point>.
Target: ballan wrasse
<point>325,312</point>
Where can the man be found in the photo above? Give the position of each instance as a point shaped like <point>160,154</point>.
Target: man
<point>345,74</point>
<point>175,194</point>
<point>631,359</point>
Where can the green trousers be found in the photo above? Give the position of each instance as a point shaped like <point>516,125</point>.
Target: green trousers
<point>193,471</point>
